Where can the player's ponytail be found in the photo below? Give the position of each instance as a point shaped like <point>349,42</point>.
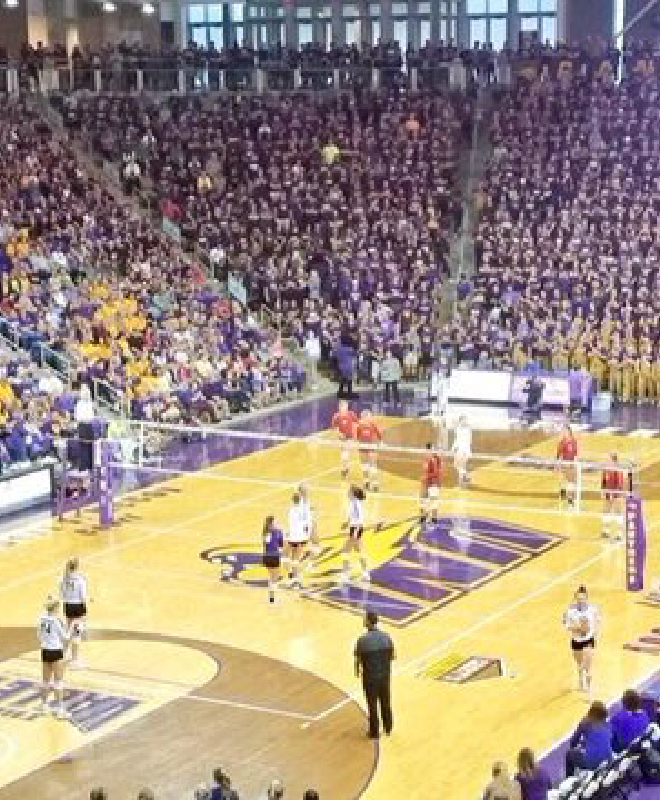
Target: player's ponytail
<point>71,566</point>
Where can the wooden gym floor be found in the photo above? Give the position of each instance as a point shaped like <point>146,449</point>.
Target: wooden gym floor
<point>187,672</point>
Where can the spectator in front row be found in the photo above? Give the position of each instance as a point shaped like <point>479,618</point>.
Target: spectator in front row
<point>534,781</point>
<point>502,787</point>
<point>629,722</point>
<point>591,744</point>
<point>98,794</point>
<point>276,790</point>
<point>221,785</point>
<point>311,794</point>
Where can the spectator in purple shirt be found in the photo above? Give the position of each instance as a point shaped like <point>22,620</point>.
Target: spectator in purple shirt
<point>534,781</point>
<point>629,722</point>
<point>591,744</point>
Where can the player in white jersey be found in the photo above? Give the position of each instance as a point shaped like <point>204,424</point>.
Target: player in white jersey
<point>355,526</point>
<point>297,538</point>
<point>53,641</point>
<point>73,592</point>
<point>582,619</point>
<point>462,449</point>
<point>310,516</point>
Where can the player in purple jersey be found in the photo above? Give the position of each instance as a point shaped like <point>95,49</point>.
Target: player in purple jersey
<point>273,541</point>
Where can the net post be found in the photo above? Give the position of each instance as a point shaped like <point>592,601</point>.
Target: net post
<point>104,488</point>
<point>635,543</point>
<point>140,444</point>
<point>578,487</point>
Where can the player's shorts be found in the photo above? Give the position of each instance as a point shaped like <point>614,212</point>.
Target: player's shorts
<point>612,495</point>
<point>577,646</point>
<point>271,561</point>
<point>355,532</point>
<point>52,656</point>
<point>75,610</point>
<point>431,492</point>
<point>367,453</point>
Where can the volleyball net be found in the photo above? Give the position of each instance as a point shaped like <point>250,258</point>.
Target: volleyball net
<point>526,479</point>
<point>517,496</point>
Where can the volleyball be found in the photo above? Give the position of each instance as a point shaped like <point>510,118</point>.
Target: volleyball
<point>583,626</point>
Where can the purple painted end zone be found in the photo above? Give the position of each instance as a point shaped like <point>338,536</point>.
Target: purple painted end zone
<point>554,760</point>
<point>358,597</point>
<point>437,566</point>
<point>443,539</point>
<point>528,540</point>
<point>414,582</point>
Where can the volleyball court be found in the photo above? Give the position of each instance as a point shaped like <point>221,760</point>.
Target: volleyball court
<point>514,475</point>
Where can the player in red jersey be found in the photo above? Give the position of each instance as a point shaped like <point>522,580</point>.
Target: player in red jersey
<point>433,471</point>
<point>567,453</point>
<point>345,422</point>
<point>612,484</point>
<point>369,436</point>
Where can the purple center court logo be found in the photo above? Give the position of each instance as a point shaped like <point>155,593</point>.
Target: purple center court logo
<point>417,569</point>
<point>20,698</point>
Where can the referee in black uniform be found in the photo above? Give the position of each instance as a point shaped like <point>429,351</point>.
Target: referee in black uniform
<point>374,653</point>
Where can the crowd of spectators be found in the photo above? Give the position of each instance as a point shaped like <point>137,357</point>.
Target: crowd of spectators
<point>118,305</point>
<point>336,212</point>
<point>568,247</point>
<point>596,741</point>
<point>219,789</point>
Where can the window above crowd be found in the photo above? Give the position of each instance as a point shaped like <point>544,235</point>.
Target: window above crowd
<point>409,23</point>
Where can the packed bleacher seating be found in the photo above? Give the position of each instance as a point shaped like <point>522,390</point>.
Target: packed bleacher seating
<point>336,212</point>
<point>567,250</point>
<point>117,304</point>
<point>612,754</point>
<point>220,788</point>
